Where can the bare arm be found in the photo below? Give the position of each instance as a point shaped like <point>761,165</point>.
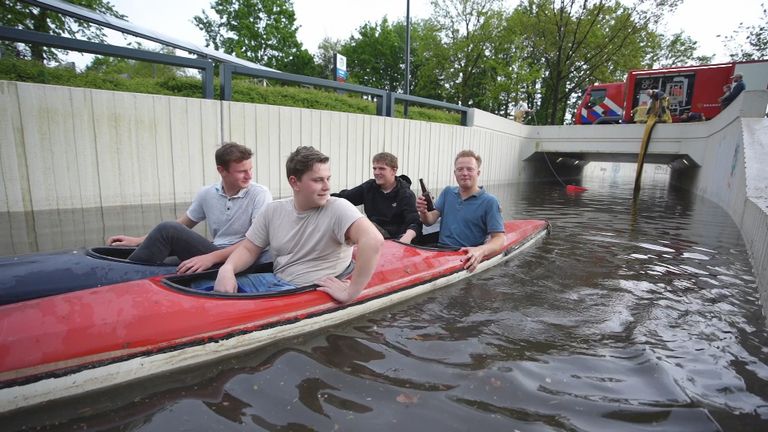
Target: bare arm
<point>478,254</point>
<point>243,256</point>
<point>186,221</point>
<point>204,262</point>
<point>408,236</point>
<point>124,240</point>
<point>368,241</point>
<point>427,218</point>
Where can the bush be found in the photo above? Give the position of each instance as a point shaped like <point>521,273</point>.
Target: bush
<point>243,90</point>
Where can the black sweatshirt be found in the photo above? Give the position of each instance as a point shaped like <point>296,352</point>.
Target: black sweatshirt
<point>394,211</point>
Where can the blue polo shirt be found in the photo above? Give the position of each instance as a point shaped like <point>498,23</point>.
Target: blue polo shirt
<point>468,222</point>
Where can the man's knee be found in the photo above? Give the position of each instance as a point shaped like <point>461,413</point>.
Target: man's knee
<point>169,227</point>
<point>167,230</point>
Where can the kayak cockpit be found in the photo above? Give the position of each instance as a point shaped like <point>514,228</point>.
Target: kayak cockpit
<point>201,284</point>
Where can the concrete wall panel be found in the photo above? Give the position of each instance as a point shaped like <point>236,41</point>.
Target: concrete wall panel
<point>260,145</point>
<point>38,147</point>
<point>15,194</point>
<point>211,138</point>
<point>163,150</point>
<point>107,145</point>
<point>84,148</point>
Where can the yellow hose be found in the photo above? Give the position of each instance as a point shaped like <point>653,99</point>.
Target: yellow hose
<point>649,124</point>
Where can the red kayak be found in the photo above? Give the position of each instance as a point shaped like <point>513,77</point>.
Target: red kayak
<point>66,344</point>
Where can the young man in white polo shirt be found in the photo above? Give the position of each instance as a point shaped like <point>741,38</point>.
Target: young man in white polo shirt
<point>310,236</point>
<point>228,207</point>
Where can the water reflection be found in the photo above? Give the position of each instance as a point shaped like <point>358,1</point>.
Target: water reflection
<point>627,317</point>
<point>51,230</point>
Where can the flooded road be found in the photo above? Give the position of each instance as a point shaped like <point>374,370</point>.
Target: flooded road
<point>628,317</point>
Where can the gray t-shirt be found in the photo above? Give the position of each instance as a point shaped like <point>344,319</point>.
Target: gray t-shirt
<point>306,246</point>
<point>228,218</point>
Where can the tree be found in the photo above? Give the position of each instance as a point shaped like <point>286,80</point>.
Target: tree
<point>375,57</point>
<point>749,42</point>
<point>676,50</point>
<point>262,31</point>
<point>430,61</point>
<point>22,15</point>
<point>515,67</point>
<point>469,28</point>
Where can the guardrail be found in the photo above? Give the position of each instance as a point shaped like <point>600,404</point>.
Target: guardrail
<point>29,36</point>
<point>227,69</point>
<point>394,97</point>
<point>385,100</point>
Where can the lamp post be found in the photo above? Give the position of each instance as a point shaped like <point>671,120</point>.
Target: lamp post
<point>407,54</point>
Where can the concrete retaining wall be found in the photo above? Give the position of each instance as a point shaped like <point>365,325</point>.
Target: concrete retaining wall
<point>64,148</point>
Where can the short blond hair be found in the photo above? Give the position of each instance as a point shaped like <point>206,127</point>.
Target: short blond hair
<point>469,153</point>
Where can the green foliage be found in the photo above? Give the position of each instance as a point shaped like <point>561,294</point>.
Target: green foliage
<point>300,97</point>
<point>133,68</point>
<point>22,15</point>
<point>262,31</point>
<point>429,114</point>
<point>375,57</point>
<point>13,69</point>
<point>749,42</point>
<point>470,29</point>
<point>244,90</point>
<point>430,60</point>
<point>677,50</point>
<point>254,91</point>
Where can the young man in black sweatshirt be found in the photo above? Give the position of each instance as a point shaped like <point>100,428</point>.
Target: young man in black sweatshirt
<point>387,199</point>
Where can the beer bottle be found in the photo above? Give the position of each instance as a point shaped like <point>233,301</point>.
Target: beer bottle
<point>426,195</point>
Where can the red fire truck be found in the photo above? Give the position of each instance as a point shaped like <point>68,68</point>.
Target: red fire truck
<point>690,89</point>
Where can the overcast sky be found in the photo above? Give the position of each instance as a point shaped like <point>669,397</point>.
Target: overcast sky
<point>702,20</point>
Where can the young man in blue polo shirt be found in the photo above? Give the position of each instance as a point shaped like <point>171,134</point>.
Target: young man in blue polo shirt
<point>471,217</point>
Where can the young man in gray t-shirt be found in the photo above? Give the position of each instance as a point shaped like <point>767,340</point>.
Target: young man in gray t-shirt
<point>310,236</point>
<point>228,207</point>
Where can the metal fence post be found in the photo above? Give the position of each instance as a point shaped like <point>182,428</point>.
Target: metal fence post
<point>381,104</point>
<point>208,92</point>
<point>225,76</point>
<point>390,104</point>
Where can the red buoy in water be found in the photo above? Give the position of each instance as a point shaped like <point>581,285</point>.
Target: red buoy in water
<point>574,188</point>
